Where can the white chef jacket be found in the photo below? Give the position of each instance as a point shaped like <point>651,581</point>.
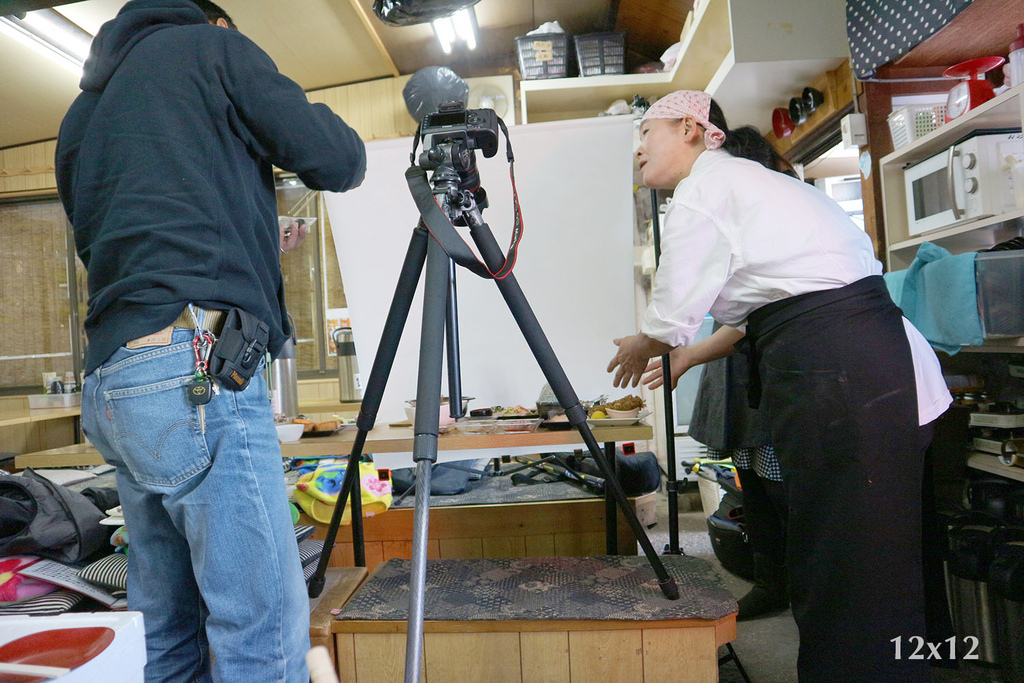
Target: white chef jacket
<point>738,236</point>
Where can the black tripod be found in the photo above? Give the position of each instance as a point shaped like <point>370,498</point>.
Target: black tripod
<point>446,200</point>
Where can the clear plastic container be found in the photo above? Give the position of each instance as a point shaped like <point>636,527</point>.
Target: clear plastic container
<point>54,400</point>
<point>1000,276</point>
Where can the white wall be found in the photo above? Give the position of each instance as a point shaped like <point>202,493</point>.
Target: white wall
<point>574,180</point>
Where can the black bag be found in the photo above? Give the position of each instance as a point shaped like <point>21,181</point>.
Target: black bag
<point>410,12</point>
<point>444,481</point>
<point>729,538</point>
<point>38,517</point>
<point>239,349</point>
<point>638,473</point>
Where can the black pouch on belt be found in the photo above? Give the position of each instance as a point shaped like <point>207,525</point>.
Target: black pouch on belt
<point>238,350</point>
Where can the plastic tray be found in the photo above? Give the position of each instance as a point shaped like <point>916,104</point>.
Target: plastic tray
<point>55,400</point>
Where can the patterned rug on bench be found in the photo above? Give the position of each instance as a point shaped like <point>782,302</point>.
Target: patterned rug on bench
<point>608,587</point>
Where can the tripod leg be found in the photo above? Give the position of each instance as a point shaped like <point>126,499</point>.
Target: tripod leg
<point>382,363</point>
<point>424,449</point>
<point>545,355</point>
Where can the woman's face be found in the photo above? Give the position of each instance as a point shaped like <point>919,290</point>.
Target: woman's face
<point>668,148</point>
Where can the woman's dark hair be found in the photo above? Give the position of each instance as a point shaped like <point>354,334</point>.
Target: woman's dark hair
<point>213,12</point>
<point>747,142</point>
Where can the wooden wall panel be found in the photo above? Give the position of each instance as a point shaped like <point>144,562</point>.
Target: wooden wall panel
<point>545,657</point>
<point>687,655</point>
<point>490,657</point>
<point>606,656</point>
<point>380,658</point>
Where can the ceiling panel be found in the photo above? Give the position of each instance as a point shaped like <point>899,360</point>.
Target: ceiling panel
<point>34,94</point>
<point>318,43</point>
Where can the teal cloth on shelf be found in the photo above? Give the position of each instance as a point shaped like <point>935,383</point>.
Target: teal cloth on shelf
<point>938,294</point>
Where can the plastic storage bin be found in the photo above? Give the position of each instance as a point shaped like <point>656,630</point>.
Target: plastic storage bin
<point>55,400</point>
<point>1000,276</point>
<point>910,123</point>
<point>601,53</point>
<point>544,55</point>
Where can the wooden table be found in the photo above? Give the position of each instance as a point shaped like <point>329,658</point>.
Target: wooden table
<point>392,447</point>
<point>22,416</point>
<point>384,442</point>
<point>24,429</point>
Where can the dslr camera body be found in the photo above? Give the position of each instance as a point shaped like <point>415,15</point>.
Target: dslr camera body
<point>452,122</point>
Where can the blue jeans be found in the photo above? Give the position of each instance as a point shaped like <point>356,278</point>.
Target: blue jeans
<point>213,564</point>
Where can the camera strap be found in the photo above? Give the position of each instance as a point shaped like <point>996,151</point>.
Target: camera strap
<point>440,227</point>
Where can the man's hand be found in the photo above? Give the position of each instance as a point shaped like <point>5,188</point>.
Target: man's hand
<point>630,362</point>
<point>292,235</point>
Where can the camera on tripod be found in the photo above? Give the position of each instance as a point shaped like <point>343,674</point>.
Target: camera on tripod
<point>450,136</point>
<point>453,122</point>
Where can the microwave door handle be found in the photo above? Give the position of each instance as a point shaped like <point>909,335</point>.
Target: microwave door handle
<point>951,184</point>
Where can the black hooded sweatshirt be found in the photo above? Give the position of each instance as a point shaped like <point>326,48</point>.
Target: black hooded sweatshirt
<point>165,168</point>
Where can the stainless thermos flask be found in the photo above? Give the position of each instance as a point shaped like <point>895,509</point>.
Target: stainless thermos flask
<point>284,381</point>
<point>347,364</point>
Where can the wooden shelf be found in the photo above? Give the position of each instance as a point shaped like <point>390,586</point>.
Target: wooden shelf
<point>750,55</point>
<point>974,236</point>
<point>990,463</point>
<point>1006,111</point>
<point>702,52</point>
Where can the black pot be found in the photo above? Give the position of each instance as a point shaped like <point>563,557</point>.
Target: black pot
<point>797,111</point>
<point>812,99</point>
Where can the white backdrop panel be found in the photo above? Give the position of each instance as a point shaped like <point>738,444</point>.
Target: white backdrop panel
<point>575,261</point>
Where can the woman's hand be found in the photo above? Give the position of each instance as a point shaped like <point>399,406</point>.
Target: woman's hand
<point>680,360</point>
<point>630,361</point>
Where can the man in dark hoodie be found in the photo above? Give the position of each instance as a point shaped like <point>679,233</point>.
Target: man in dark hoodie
<point>165,168</point>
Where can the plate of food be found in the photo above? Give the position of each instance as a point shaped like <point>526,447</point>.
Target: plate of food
<point>311,429</point>
<point>624,411</point>
<point>617,421</point>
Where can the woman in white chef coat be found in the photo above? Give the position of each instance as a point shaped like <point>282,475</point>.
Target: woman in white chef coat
<point>849,386</point>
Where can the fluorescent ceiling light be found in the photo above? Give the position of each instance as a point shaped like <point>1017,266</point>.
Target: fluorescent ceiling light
<point>52,34</point>
<point>460,26</point>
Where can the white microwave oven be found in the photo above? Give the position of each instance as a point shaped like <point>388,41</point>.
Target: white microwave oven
<point>968,181</point>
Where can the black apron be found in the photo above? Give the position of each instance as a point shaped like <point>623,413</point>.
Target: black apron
<point>836,381</point>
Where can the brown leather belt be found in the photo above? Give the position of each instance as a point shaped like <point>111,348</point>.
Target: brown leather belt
<point>212,322</point>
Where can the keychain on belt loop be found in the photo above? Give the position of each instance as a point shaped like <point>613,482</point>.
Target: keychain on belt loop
<point>199,390</point>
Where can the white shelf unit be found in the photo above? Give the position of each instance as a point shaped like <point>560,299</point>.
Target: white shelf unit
<point>1005,111</point>
<point>751,55</point>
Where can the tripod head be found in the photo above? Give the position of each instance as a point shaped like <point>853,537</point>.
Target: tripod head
<point>450,137</point>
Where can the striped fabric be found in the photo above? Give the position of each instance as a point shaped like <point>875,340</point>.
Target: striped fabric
<point>309,551</point>
<point>58,602</point>
<point>111,572</point>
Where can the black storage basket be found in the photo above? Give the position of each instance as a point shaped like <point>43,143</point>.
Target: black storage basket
<point>601,53</point>
<point>544,55</point>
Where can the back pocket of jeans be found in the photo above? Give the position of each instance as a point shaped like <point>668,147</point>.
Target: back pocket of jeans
<point>157,432</point>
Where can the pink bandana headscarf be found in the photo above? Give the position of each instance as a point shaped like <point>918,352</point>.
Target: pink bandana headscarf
<point>688,102</point>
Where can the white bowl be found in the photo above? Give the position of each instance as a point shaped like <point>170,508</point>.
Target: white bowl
<point>289,433</point>
<point>618,414</point>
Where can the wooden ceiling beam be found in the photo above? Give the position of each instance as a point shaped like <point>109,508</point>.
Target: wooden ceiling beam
<point>371,28</point>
